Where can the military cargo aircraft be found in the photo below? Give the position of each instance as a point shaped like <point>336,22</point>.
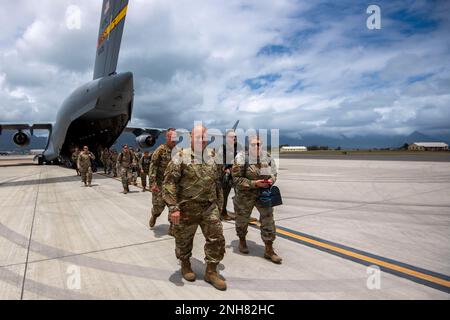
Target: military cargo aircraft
<point>96,113</point>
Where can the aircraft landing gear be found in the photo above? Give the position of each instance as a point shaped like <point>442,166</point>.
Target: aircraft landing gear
<point>40,159</point>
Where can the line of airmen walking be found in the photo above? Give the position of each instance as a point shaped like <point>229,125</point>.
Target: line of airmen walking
<point>194,194</point>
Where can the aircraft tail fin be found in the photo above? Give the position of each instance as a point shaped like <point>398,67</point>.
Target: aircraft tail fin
<point>110,36</point>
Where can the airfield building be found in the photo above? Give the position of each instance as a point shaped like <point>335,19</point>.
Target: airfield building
<point>293,149</point>
<point>428,146</point>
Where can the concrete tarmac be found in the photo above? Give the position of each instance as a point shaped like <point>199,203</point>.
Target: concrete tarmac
<point>60,240</point>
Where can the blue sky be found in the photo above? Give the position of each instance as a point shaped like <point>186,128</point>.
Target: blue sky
<point>300,66</point>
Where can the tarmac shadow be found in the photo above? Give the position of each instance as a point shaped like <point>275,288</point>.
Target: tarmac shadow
<point>160,230</point>
<point>176,278</point>
<point>256,250</point>
<point>198,267</point>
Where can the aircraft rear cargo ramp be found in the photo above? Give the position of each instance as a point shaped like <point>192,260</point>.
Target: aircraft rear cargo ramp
<point>59,240</point>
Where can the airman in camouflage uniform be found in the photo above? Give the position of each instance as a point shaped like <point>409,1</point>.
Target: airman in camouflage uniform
<point>84,164</point>
<point>138,153</point>
<point>106,160</point>
<point>228,153</point>
<point>160,159</point>
<point>114,156</point>
<point>194,196</point>
<point>144,166</point>
<point>134,167</point>
<point>124,163</point>
<point>75,155</point>
<point>249,179</point>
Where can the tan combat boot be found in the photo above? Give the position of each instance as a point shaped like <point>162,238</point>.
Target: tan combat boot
<point>212,276</point>
<point>243,245</point>
<point>226,217</point>
<point>152,221</point>
<point>270,254</point>
<point>186,270</point>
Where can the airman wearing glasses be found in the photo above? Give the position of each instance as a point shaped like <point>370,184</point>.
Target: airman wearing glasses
<point>253,172</point>
<point>84,165</point>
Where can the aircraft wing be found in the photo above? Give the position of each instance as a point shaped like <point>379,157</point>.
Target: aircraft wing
<point>140,131</point>
<point>158,131</point>
<point>25,126</point>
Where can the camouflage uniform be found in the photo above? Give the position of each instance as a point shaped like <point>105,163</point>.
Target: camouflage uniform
<point>75,155</point>
<point>247,194</point>
<point>195,191</point>
<point>134,168</point>
<point>114,156</point>
<point>106,160</point>
<point>160,159</point>
<point>124,162</point>
<point>144,166</point>
<point>84,164</point>
<point>227,152</point>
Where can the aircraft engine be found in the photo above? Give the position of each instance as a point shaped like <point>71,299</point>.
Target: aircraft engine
<point>21,139</point>
<point>146,141</point>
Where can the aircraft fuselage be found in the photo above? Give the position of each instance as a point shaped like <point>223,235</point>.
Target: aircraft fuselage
<point>95,115</point>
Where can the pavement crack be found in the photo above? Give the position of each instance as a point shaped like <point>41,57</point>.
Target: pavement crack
<point>31,235</point>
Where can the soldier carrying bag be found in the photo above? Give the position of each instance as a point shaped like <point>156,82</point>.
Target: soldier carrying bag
<point>268,197</point>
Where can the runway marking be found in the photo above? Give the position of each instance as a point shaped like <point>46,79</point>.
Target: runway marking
<point>30,237</point>
<point>422,276</point>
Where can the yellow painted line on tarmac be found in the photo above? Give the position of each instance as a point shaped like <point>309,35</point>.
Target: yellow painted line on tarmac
<point>412,274</point>
<point>366,258</point>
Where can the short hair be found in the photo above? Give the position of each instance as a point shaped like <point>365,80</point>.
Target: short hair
<point>171,129</point>
<point>254,137</point>
<point>125,145</point>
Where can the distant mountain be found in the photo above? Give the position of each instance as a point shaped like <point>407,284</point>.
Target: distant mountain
<point>362,142</point>
<point>356,142</point>
<point>417,136</point>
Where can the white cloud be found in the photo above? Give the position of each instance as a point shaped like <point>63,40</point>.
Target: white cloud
<point>191,60</point>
